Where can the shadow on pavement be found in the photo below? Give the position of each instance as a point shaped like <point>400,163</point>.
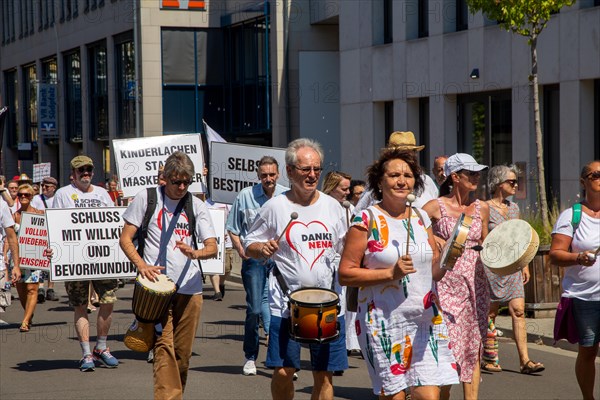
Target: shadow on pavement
<point>46,365</point>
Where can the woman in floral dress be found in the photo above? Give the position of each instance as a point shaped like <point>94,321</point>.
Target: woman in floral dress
<point>399,322</point>
<point>464,292</point>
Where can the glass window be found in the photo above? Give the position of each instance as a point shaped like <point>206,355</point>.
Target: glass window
<point>12,120</point>
<point>73,121</point>
<point>550,109</point>
<point>125,87</point>
<point>30,101</point>
<point>49,71</point>
<point>4,21</point>
<point>98,92</point>
<point>388,21</point>
<point>462,15</point>
<point>31,17</point>
<point>12,13</point>
<point>22,20</point>
<point>423,18</point>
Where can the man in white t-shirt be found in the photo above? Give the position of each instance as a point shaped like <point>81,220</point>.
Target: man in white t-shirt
<point>7,232</point>
<point>405,141</point>
<point>80,193</point>
<point>306,256</point>
<point>169,249</point>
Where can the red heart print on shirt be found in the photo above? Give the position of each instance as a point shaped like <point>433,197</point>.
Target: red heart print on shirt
<point>309,240</point>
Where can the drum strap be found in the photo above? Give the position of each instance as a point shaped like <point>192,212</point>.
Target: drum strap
<point>166,235</point>
<point>282,284</point>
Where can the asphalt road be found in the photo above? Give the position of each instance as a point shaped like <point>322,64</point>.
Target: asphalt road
<point>43,364</point>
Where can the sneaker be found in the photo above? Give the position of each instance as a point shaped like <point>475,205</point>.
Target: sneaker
<point>51,296</point>
<point>106,358</point>
<point>218,297</point>
<point>249,368</point>
<point>295,377</point>
<point>86,364</point>
<point>222,290</point>
<point>41,295</point>
<point>150,358</point>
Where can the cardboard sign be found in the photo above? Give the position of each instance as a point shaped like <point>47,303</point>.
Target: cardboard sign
<point>138,160</point>
<point>235,166</point>
<point>33,240</point>
<point>216,266</point>
<point>41,171</point>
<point>85,244</point>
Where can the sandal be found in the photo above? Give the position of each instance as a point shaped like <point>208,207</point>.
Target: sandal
<point>24,327</point>
<point>490,367</point>
<point>531,367</point>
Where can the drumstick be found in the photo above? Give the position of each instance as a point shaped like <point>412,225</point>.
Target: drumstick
<point>293,216</point>
<point>410,199</point>
<point>346,204</point>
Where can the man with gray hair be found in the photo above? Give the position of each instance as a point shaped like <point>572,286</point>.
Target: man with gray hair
<point>306,251</point>
<point>254,271</point>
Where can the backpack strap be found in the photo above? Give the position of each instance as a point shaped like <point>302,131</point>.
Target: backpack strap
<point>188,207</point>
<point>576,218</point>
<point>143,231</point>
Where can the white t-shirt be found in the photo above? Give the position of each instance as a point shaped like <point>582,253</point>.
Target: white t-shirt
<point>579,281</point>
<point>191,282</point>
<point>71,197</point>
<point>38,203</point>
<point>6,221</point>
<point>309,250</point>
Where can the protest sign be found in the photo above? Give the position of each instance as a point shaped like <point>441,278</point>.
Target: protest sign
<point>216,265</point>
<point>33,240</point>
<point>234,167</point>
<point>85,244</point>
<point>41,171</point>
<point>138,160</point>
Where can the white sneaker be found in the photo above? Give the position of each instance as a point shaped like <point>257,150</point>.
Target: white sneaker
<point>249,368</point>
<point>499,333</point>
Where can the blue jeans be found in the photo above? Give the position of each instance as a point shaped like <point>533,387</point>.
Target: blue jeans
<point>254,277</point>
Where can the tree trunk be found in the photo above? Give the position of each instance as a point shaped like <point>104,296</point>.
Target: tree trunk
<point>543,202</point>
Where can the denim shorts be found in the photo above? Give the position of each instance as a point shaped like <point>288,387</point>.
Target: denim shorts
<point>285,352</point>
<point>587,318</point>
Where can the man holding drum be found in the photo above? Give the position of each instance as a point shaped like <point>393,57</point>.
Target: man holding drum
<point>302,230</point>
<point>173,348</point>
<point>81,193</point>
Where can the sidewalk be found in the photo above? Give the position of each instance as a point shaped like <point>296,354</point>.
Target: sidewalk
<point>539,331</point>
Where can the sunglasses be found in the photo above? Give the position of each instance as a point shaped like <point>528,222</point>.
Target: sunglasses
<point>47,185</point>
<point>593,176</point>
<point>511,182</point>
<point>180,182</point>
<point>27,195</point>
<point>306,170</point>
<point>88,169</point>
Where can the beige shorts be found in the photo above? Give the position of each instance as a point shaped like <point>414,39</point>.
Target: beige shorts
<point>79,291</point>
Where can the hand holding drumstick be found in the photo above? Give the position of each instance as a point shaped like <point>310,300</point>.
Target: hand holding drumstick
<point>270,247</point>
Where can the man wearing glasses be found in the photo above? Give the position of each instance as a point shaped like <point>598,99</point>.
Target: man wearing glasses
<point>306,252</point>
<point>80,193</point>
<point>254,271</point>
<point>171,251</point>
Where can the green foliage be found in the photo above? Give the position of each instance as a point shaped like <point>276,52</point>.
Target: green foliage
<point>526,17</point>
<point>534,218</point>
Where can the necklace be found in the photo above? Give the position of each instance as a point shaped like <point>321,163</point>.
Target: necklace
<point>498,205</point>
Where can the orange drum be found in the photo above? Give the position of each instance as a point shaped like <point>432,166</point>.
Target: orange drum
<point>313,314</point>
<point>151,299</point>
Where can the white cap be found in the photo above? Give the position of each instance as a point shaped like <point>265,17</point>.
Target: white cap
<point>461,161</point>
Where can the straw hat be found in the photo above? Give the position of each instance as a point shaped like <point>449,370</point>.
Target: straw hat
<point>404,140</point>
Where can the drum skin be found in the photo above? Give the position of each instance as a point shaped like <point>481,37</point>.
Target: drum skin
<point>510,247</point>
<point>313,315</point>
<point>151,299</point>
<point>456,242</point>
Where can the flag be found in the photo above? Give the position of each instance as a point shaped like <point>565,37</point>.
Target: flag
<point>211,134</point>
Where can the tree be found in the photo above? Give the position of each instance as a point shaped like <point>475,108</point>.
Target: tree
<point>527,18</point>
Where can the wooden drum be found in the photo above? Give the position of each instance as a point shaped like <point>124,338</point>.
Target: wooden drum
<point>455,245</point>
<point>151,299</point>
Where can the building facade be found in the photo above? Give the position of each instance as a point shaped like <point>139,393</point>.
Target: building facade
<point>345,72</point>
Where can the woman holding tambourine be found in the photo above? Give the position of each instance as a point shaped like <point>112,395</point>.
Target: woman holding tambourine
<point>464,292</point>
<point>502,183</point>
<point>576,246</point>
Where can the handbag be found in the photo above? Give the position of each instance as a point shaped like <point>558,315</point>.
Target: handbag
<point>564,322</point>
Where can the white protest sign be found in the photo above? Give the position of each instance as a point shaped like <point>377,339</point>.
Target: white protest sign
<point>85,244</point>
<point>138,160</point>
<point>234,167</point>
<point>41,171</point>
<point>33,240</point>
<point>216,265</point>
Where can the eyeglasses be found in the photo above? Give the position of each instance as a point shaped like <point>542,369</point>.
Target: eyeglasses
<point>593,176</point>
<point>88,169</point>
<point>469,173</point>
<point>46,185</point>
<point>27,195</point>
<point>306,170</point>
<point>180,182</point>
<point>511,182</point>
